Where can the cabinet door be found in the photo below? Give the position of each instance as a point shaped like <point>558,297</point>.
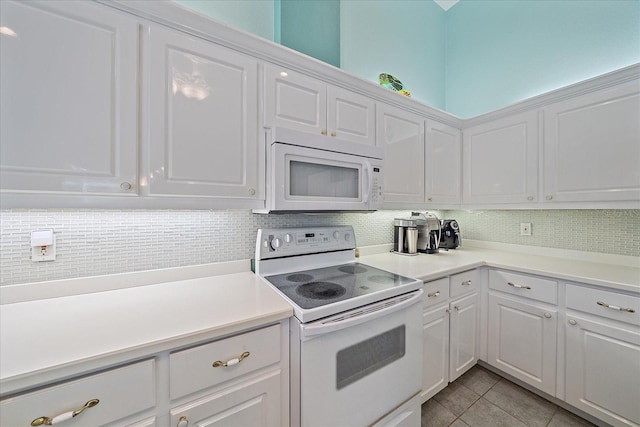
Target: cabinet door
<point>443,154</point>
<point>500,161</point>
<point>435,342</point>
<point>254,402</point>
<point>401,134</point>
<point>463,336</point>
<point>69,100</point>
<point>603,369</point>
<point>294,101</point>
<point>592,147</point>
<point>350,116</point>
<point>522,341</point>
<point>203,119</point>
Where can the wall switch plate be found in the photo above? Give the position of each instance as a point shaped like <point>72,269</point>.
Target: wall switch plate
<point>525,229</point>
<point>44,252</point>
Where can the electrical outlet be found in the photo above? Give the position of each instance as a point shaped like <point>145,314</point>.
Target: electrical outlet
<point>44,252</point>
<point>525,229</point>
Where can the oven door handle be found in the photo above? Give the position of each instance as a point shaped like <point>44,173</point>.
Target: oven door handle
<point>366,314</point>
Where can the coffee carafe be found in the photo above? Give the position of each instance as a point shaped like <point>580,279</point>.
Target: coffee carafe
<point>405,236</point>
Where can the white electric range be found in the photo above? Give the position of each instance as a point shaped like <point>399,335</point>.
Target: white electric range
<point>356,338</point>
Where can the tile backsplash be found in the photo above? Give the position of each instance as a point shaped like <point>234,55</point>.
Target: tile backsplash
<point>98,242</point>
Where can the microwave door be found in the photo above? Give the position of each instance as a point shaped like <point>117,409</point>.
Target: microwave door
<point>312,180</point>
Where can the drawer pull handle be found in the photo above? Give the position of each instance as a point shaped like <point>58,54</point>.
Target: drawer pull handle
<point>433,294</point>
<point>615,307</point>
<point>466,283</point>
<point>515,285</point>
<point>231,362</point>
<point>457,307</point>
<point>46,421</point>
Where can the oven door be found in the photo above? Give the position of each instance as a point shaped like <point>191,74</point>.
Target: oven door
<point>309,179</point>
<point>357,367</point>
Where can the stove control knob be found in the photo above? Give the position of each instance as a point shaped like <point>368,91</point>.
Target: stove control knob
<point>347,237</point>
<point>287,238</point>
<point>276,243</point>
<point>336,234</point>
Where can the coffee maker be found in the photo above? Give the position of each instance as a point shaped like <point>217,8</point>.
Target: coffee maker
<point>428,226</point>
<point>405,236</point>
<point>450,237</point>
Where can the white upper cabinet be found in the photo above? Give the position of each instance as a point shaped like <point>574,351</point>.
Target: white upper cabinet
<point>592,146</point>
<point>443,154</point>
<point>69,98</point>
<point>500,161</point>
<point>203,124</point>
<point>300,102</point>
<point>401,134</point>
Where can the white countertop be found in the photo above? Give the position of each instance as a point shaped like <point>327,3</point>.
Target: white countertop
<point>433,266</point>
<point>54,338</point>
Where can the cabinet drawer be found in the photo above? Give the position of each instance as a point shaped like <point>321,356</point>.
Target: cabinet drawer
<point>192,369</point>
<point>613,305</point>
<point>525,286</point>
<point>464,282</point>
<point>121,392</point>
<point>436,291</point>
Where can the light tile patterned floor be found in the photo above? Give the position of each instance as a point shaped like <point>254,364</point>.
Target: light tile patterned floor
<point>481,398</point>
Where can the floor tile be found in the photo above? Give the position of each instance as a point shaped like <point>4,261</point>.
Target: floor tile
<point>528,407</point>
<point>485,414</point>
<point>456,398</point>
<point>564,418</point>
<point>479,379</point>
<point>436,415</point>
<point>458,423</point>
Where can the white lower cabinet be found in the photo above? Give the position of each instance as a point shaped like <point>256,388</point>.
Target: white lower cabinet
<point>109,398</point>
<point>450,331</point>
<point>254,402</point>
<point>522,341</point>
<point>523,328</point>
<point>602,357</point>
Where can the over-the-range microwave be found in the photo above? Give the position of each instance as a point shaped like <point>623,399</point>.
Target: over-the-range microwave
<point>317,173</point>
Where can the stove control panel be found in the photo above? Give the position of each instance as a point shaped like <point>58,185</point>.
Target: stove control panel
<point>281,242</point>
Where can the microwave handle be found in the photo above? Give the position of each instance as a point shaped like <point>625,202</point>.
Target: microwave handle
<point>365,315</point>
<point>367,187</point>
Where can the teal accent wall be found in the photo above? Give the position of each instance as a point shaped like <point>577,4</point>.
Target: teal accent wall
<point>500,52</point>
<point>312,27</point>
<point>253,16</point>
<point>405,38</point>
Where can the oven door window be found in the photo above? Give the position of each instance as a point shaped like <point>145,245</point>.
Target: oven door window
<point>310,179</point>
<point>366,357</point>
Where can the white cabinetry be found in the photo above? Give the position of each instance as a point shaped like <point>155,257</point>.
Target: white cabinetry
<point>99,399</point>
<point>592,147</point>
<point>401,134</point>
<point>450,330</point>
<point>69,73</point>
<point>203,102</point>
<point>442,167</point>
<point>500,161</point>
<point>522,328</point>
<point>602,367</point>
<point>240,376</point>
<point>296,101</point>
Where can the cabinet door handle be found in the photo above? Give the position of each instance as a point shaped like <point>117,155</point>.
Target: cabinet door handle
<point>466,283</point>
<point>333,133</point>
<point>572,322</point>
<point>456,307</point>
<point>615,307</point>
<point>231,362</point>
<point>323,132</point>
<point>433,294</point>
<point>515,285</point>
<point>183,422</point>
<point>46,421</point>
